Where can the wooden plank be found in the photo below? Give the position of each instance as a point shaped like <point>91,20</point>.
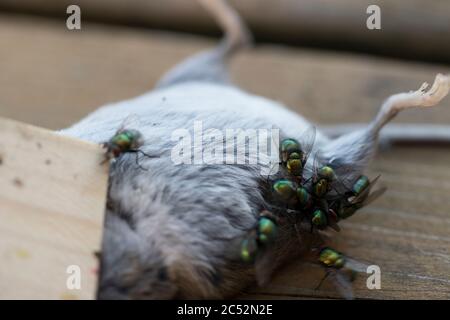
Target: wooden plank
<point>47,69</point>
<point>52,201</point>
<point>405,232</point>
<point>410,28</point>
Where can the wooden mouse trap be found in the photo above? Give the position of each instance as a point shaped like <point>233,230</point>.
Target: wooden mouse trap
<point>52,200</point>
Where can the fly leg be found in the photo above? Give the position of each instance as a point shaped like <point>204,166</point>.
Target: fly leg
<point>137,152</point>
<point>322,280</point>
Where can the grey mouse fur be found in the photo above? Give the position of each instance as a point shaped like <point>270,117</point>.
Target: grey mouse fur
<point>170,230</point>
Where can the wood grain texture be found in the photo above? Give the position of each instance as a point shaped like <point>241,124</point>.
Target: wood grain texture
<point>410,28</point>
<point>47,69</point>
<point>53,77</point>
<point>52,201</point>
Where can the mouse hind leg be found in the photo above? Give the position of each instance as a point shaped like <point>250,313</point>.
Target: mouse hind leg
<point>210,66</point>
<point>353,151</point>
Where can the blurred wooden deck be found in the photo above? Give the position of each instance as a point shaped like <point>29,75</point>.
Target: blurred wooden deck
<point>51,77</point>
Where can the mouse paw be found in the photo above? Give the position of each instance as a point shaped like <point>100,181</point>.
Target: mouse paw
<point>421,98</point>
<point>435,94</point>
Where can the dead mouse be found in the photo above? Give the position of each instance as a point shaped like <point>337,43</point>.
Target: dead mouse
<point>169,229</point>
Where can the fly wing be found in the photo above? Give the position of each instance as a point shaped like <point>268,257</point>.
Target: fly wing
<point>130,122</point>
<point>372,183</point>
<point>343,284</point>
<point>374,195</point>
<point>365,200</point>
<point>307,142</point>
<point>355,265</point>
<point>315,165</point>
<point>333,220</point>
<point>265,265</point>
<point>276,253</point>
<point>365,197</point>
<point>344,176</point>
<point>274,161</point>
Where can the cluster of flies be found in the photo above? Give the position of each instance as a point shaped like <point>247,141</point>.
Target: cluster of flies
<point>322,200</point>
<point>311,198</point>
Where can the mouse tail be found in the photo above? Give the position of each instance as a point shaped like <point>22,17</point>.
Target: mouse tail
<point>211,66</point>
<point>236,33</point>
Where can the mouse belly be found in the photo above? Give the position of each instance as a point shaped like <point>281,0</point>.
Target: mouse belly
<point>171,229</point>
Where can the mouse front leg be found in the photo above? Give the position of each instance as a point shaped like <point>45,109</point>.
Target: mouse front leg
<point>353,151</point>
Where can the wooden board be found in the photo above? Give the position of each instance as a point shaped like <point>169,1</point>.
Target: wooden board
<point>52,200</point>
<point>417,29</point>
<point>53,77</point>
